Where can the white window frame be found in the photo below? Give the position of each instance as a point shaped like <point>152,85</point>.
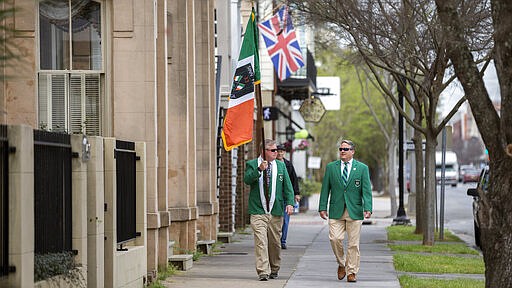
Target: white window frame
<point>46,113</point>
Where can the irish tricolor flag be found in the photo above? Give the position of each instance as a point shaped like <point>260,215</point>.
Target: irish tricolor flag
<point>238,123</point>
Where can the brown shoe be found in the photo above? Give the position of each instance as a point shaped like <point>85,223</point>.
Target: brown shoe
<point>341,273</point>
<point>351,278</point>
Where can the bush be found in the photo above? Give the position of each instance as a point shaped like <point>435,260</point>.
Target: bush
<point>49,265</point>
<point>309,187</point>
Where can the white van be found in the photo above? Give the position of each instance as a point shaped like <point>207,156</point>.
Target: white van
<point>451,174</point>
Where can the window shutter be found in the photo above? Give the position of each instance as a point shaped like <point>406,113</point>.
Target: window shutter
<point>92,104</point>
<point>58,102</point>
<point>75,104</point>
<point>44,92</point>
<point>70,103</point>
<point>84,105</point>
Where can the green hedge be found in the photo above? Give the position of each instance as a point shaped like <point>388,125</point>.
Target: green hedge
<point>309,187</point>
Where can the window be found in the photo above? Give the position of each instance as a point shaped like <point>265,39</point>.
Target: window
<point>70,66</point>
<point>62,50</point>
<point>70,102</point>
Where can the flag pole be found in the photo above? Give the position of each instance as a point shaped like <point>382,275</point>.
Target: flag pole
<point>259,119</point>
<point>259,122</point>
<point>259,106</point>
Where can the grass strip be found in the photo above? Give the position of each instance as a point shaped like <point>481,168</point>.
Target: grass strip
<point>407,281</point>
<point>406,233</point>
<point>437,248</point>
<point>438,264</point>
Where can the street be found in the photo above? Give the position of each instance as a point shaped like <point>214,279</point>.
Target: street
<point>458,211</point>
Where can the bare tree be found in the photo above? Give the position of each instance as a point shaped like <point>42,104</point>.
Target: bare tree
<point>390,133</point>
<point>404,38</point>
<point>496,128</point>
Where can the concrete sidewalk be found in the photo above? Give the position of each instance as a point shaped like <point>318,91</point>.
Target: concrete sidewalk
<point>308,261</point>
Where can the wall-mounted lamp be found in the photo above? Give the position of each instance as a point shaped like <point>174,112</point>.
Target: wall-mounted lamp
<point>86,149</point>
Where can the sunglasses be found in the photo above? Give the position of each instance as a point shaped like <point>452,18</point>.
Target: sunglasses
<point>271,150</point>
<point>345,149</point>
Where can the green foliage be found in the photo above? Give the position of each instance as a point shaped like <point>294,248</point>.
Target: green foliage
<point>438,264</point>
<point>216,247</point>
<point>354,120</point>
<point>156,284</point>
<point>415,282</point>
<point>196,255</point>
<point>61,264</point>
<point>438,248</point>
<point>406,233</point>
<point>309,187</point>
<point>164,274</point>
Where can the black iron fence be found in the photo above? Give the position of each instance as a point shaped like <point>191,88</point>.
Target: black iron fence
<point>52,192</point>
<point>126,191</point>
<point>4,201</point>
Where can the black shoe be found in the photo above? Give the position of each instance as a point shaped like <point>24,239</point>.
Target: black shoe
<point>283,246</point>
<point>263,277</point>
<point>273,275</point>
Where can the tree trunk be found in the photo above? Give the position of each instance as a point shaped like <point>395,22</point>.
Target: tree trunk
<point>420,184</point>
<point>497,251</point>
<point>495,204</point>
<point>496,225</point>
<point>430,189</point>
<point>392,176</point>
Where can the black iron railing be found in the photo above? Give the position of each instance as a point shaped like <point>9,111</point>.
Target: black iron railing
<point>52,192</point>
<point>126,191</point>
<point>4,201</point>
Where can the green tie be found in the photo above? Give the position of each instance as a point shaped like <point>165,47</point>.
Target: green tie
<point>344,176</point>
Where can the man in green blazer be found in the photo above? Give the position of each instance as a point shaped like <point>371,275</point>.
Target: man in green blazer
<point>346,185</point>
<point>271,188</point>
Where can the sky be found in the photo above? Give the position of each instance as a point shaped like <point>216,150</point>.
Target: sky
<point>453,93</point>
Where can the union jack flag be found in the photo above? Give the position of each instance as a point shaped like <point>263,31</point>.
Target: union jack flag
<point>282,45</point>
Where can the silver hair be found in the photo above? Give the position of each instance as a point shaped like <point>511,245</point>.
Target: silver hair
<point>269,142</point>
<point>349,143</point>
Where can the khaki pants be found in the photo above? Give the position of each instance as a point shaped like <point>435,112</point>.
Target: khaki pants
<point>267,242</point>
<point>337,228</point>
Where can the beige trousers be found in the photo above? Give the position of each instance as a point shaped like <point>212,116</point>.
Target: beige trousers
<point>267,242</point>
<point>337,228</point>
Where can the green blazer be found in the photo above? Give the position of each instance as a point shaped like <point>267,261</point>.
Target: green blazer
<point>284,189</point>
<point>356,195</point>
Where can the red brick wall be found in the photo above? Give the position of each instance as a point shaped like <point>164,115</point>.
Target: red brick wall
<point>245,152</point>
<point>225,208</point>
<point>242,191</point>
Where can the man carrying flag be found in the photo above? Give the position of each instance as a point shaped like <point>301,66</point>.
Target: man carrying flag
<point>282,45</point>
<point>238,123</point>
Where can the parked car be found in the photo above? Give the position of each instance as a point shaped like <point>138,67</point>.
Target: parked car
<point>463,169</point>
<point>482,185</point>
<point>471,175</point>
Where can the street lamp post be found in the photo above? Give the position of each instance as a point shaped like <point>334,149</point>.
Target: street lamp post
<point>401,217</point>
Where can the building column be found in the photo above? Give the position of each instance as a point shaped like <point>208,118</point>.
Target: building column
<point>182,133</point>
<point>163,134</point>
<point>206,121</point>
